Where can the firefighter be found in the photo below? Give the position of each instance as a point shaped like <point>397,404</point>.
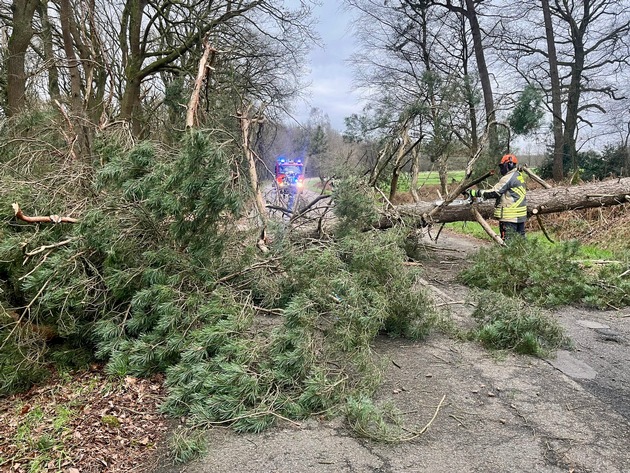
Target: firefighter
<point>511,204</point>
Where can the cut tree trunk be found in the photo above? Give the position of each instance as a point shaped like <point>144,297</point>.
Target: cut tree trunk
<point>539,202</point>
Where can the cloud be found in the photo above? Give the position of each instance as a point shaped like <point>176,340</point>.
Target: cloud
<point>331,88</point>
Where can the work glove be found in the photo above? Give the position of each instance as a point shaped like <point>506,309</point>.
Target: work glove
<point>476,194</point>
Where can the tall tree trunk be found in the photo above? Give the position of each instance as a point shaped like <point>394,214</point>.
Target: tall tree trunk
<point>88,44</point>
<point>415,173</point>
<point>573,102</point>
<point>442,163</point>
<point>404,143</point>
<point>23,11</point>
<point>577,32</point>
<point>76,94</point>
<point>556,99</point>
<point>49,54</point>
<point>132,61</point>
<point>484,77</point>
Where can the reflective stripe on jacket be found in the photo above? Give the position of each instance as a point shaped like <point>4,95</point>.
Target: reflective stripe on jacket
<point>511,205</point>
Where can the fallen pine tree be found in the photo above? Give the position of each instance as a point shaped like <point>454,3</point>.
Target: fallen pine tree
<point>539,202</point>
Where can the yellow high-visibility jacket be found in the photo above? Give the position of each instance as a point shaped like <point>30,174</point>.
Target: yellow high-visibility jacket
<point>510,194</point>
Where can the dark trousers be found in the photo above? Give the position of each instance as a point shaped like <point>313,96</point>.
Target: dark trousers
<point>509,228</point>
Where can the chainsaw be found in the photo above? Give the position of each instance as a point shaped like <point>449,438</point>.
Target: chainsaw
<point>468,199</point>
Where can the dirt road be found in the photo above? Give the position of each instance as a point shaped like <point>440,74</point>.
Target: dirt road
<point>498,414</point>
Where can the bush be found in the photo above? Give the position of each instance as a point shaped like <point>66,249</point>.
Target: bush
<point>612,161</point>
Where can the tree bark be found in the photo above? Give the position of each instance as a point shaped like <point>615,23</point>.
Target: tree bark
<point>556,96</point>
<point>23,11</point>
<point>49,54</point>
<point>246,121</point>
<point>132,60</point>
<point>484,77</point>
<point>203,70</point>
<point>76,89</point>
<point>539,201</point>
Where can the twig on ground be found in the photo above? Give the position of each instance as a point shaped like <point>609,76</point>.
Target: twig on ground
<point>426,427</point>
<point>459,421</point>
<point>455,303</point>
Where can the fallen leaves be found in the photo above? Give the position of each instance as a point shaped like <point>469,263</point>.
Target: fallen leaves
<point>87,423</point>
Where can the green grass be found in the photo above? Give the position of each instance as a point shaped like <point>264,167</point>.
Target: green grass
<point>585,252</point>
<point>432,178</point>
<point>472,229</point>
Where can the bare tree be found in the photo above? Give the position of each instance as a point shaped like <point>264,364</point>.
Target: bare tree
<point>418,64</point>
<point>469,9</point>
<point>158,36</point>
<point>579,61</point>
<point>76,96</point>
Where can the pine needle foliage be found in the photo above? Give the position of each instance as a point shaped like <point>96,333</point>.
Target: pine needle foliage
<point>187,444</point>
<point>549,275</point>
<point>20,358</point>
<point>507,323</point>
<point>354,205</point>
<point>368,420</point>
<point>336,299</point>
<point>155,278</point>
<point>541,274</point>
<point>609,287</point>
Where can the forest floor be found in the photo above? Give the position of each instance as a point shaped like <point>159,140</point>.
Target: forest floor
<point>480,411</point>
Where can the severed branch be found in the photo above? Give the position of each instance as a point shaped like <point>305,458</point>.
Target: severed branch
<point>40,219</point>
<point>309,206</point>
<point>247,119</point>
<point>542,227</point>
<point>539,180</point>
<point>486,227</point>
<point>546,185</point>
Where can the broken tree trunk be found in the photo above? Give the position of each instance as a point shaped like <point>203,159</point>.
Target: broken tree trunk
<point>539,202</point>
<point>205,66</point>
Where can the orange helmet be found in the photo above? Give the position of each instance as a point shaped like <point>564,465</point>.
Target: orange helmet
<point>509,159</point>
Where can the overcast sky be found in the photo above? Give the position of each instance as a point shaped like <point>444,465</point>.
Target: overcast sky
<point>330,75</point>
